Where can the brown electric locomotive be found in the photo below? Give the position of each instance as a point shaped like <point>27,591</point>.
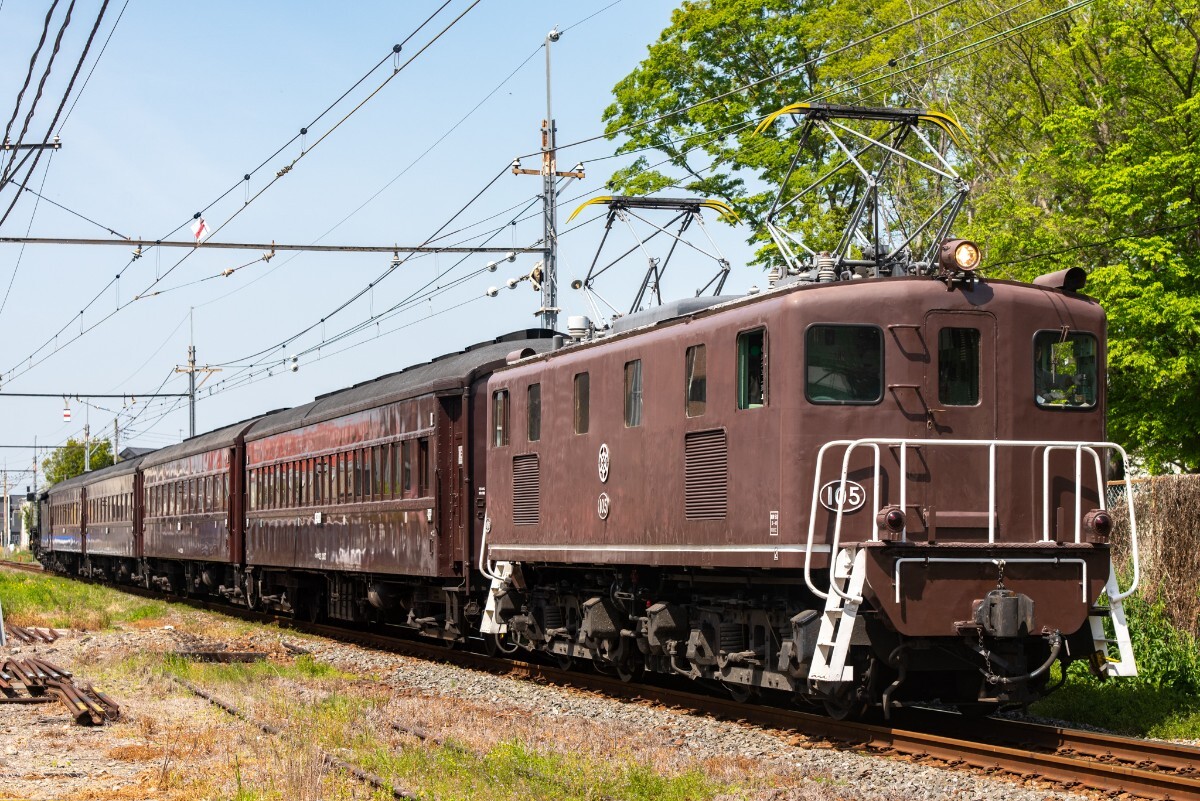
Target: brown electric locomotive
<point>858,491</point>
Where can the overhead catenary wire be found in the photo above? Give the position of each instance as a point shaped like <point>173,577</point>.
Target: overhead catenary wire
<point>17,370</point>
<point>750,85</point>
<point>419,158</point>
<point>380,278</point>
<point>25,86</point>
<point>21,253</point>
<point>95,64</point>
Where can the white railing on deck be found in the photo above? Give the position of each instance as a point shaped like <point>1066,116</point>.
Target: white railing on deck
<point>875,443</point>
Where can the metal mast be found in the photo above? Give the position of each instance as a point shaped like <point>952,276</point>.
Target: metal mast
<point>550,175</point>
<point>550,234</point>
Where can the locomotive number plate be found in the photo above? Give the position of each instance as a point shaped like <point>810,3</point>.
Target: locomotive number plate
<point>602,504</point>
<point>853,501</point>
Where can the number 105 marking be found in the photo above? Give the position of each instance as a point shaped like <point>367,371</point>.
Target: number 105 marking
<point>852,500</point>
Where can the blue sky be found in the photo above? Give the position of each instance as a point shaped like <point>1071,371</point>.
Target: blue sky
<point>187,99</point>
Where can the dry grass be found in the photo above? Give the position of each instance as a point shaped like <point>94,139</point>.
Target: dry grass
<point>1168,518</point>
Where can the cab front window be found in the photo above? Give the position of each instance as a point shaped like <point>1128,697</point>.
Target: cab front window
<point>1064,370</point>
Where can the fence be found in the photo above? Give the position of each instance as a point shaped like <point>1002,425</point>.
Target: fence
<point>1168,517</point>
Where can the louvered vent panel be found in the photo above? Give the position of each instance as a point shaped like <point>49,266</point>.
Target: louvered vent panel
<point>526,489</point>
<point>706,475</point>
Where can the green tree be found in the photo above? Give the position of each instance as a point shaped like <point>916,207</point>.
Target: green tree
<point>1083,150</point>
<point>68,461</point>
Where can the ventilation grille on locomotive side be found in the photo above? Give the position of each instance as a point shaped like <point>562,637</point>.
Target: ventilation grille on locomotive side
<point>706,475</point>
<point>526,489</point>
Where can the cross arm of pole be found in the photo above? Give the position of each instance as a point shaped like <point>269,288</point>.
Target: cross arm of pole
<point>571,174</point>
<point>92,395</point>
<point>31,240</point>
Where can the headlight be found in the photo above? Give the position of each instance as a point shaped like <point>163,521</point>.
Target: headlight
<point>959,255</point>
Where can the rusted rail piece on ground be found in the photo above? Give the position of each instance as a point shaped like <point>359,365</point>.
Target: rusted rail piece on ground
<point>45,682</point>
<point>29,636</point>
<point>326,757</point>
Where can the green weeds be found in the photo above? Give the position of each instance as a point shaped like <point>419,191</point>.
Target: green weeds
<point>1163,701</point>
<point>512,771</point>
<point>39,600</point>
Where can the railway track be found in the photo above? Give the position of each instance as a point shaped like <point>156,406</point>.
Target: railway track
<point>26,567</point>
<point>1067,758</point>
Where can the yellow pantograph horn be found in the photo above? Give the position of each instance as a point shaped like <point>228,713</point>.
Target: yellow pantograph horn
<point>774,115</point>
<point>947,124</point>
<point>720,208</point>
<point>725,211</point>
<point>594,201</point>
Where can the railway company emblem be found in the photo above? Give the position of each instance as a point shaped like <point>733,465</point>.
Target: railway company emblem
<point>602,506</point>
<point>853,501</point>
<point>602,463</point>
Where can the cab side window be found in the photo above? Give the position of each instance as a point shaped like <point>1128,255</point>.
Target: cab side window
<point>633,394</point>
<point>500,417</point>
<point>534,409</point>
<point>843,364</point>
<point>696,381</point>
<point>752,369</point>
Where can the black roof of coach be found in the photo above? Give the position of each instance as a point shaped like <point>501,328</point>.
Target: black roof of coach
<point>225,437</point>
<point>453,371</point>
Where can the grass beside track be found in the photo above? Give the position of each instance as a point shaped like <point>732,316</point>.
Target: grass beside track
<point>197,751</point>
<point>30,599</point>
<point>1162,702</point>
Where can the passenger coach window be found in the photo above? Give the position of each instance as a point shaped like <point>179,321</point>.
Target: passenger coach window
<point>958,366</point>
<point>633,394</point>
<point>500,417</point>
<point>843,364</point>
<point>752,369</point>
<point>1064,370</point>
<point>534,403</point>
<point>582,402</point>
<point>696,381</point>
<point>425,465</point>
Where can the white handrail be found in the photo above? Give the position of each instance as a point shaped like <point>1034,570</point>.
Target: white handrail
<point>874,443</point>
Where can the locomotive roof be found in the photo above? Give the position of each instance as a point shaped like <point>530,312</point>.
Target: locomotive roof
<point>906,287</point>
<point>221,438</point>
<point>450,372</point>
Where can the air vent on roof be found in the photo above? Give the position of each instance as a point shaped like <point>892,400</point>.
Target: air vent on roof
<point>706,477</point>
<point>526,489</point>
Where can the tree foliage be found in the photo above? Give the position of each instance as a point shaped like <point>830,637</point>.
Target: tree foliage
<point>1084,149</point>
<point>68,461</point>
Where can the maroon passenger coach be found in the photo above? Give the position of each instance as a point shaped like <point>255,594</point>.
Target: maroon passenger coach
<point>362,505</point>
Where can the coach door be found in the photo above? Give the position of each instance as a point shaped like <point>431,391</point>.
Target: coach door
<point>960,396</point>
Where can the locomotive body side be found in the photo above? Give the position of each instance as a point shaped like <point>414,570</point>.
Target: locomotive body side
<point>701,505</point>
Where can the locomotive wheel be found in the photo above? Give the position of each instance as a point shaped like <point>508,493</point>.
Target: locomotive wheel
<point>629,671</point>
<point>563,661</point>
<point>845,707</point>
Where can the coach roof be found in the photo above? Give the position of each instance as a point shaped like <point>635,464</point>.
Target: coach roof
<point>445,373</point>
